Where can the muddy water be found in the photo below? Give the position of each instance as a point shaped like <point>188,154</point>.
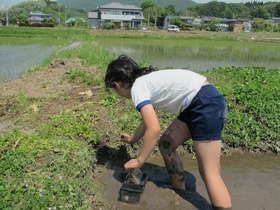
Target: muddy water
<point>253,182</point>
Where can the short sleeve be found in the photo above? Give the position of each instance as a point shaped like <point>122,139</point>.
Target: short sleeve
<point>140,94</point>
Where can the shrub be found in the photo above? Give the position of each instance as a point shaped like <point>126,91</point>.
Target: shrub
<point>262,25</point>
<point>277,28</point>
<point>109,25</point>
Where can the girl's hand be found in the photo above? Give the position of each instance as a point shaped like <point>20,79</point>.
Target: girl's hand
<point>133,164</point>
<point>126,138</point>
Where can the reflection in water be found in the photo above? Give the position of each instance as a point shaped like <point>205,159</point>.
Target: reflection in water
<point>16,59</point>
<point>201,56</point>
<point>191,54</point>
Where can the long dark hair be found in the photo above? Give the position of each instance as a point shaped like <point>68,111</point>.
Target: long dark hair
<point>125,70</point>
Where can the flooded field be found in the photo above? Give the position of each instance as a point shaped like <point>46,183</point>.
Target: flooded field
<point>196,54</point>
<point>14,60</point>
<point>253,182</point>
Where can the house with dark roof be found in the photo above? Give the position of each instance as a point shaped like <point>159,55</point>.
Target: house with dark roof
<point>121,15</point>
<point>38,17</point>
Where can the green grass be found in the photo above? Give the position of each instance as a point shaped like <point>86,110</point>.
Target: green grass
<point>90,53</point>
<point>52,168</point>
<point>46,36</point>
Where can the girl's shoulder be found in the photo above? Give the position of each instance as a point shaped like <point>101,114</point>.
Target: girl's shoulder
<point>172,73</point>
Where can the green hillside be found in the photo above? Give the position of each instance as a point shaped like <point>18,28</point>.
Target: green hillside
<point>92,5</point>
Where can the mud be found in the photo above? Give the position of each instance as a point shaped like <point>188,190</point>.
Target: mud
<point>253,182</point>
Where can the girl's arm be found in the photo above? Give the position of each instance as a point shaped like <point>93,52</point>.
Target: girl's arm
<point>139,133</point>
<point>150,137</point>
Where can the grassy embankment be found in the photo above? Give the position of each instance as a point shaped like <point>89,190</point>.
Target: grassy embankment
<point>51,167</point>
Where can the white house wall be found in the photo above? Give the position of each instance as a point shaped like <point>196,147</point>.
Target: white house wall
<point>117,17</point>
<point>93,15</point>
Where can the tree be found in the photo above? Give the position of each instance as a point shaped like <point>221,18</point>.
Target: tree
<point>228,13</point>
<point>155,11</point>
<point>259,12</point>
<point>57,11</point>
<point>147,4</point>
<point>277,10</point>
<point>213,8</point>
<point>150,10</point>
<point>171,9</point>
<point>213,24</point>
<point>13,21</point>
<point>177,21</point>
<point>23,19</point>
<point>49,2</point>
<point>239,10</point>
<point>252,9</point>
<point>49,20</point>
<point>262,25</point>
<point>193,11</point>
<point>276,28</point>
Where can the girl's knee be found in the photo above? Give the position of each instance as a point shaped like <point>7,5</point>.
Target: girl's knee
<point>164,144</point>
<point>209,175</point>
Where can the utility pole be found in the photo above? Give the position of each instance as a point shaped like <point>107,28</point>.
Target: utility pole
<point>148,18</point>
<point>169,18</point>
<point>86,17</point>
<point>7,15</point>
<point>65,14</point>
<point>7,18</point>
<point>58,14</point>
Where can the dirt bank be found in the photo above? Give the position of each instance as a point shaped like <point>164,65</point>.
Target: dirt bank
<point>48,89</point>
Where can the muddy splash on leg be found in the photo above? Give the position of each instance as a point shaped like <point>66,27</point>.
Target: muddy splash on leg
<point>172,162</point>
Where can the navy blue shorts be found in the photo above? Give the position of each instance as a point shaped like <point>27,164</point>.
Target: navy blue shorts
<point>206,114</point>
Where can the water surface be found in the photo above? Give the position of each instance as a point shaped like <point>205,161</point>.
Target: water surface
<point>196,54</point>
<point>16,59</point>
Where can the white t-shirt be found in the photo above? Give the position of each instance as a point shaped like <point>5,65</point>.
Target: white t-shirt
<point>169,90</point>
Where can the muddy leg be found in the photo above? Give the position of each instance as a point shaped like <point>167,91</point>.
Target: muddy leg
<point>220,208</point>
<point>172,162</point>
<point>173,137</point>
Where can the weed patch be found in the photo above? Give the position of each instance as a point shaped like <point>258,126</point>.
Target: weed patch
<point>252,95</point>
<point>52,168</point>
